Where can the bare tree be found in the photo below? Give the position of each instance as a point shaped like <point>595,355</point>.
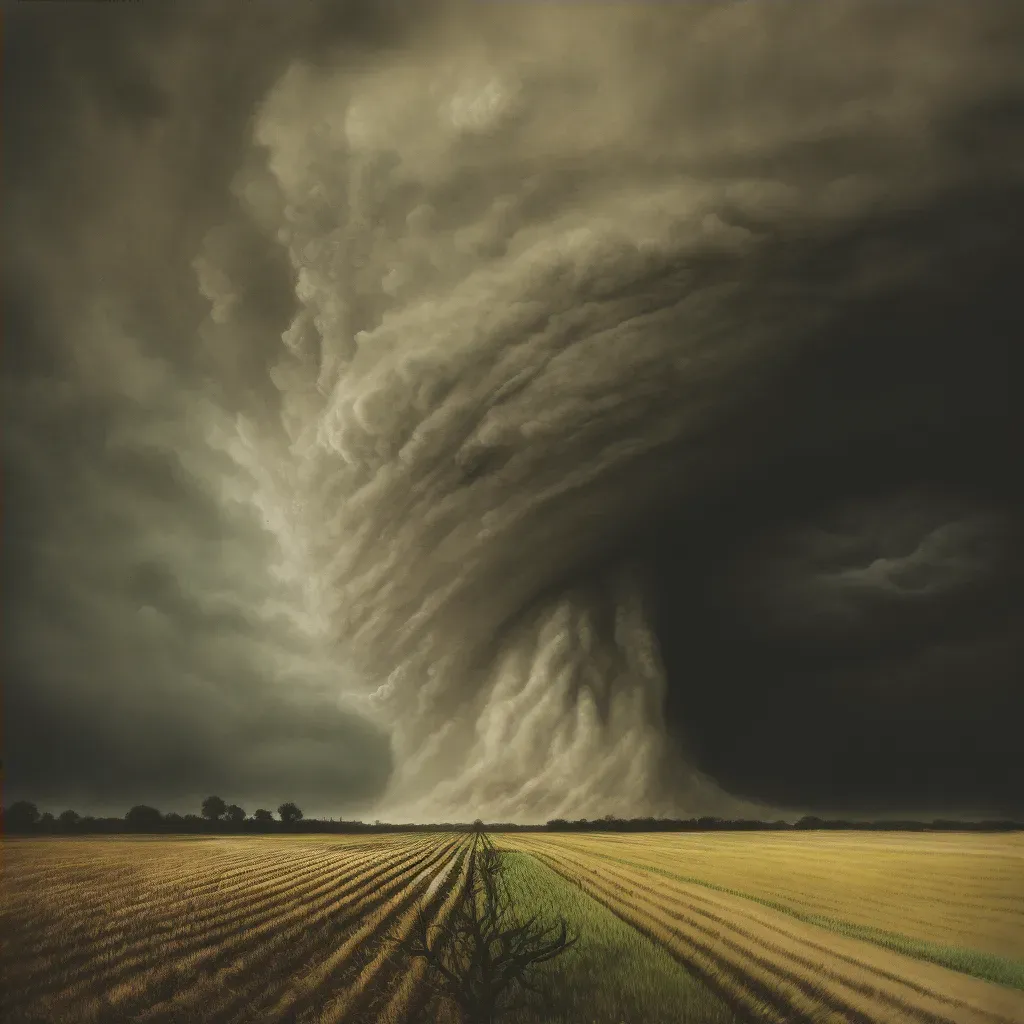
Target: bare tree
<point>486,956</point>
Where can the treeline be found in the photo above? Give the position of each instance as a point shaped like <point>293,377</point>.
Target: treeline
<point>24,817</point>
<point>610,824</point>
<point>218,817</point>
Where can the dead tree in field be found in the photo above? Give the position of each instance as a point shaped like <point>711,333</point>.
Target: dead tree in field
<point>485,956</point>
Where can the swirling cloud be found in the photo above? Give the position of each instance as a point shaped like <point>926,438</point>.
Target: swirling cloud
<point>542,350</point>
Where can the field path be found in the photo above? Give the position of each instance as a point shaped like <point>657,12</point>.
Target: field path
<point>779,968</point>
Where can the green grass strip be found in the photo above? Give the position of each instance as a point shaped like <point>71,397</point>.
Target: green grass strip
<point>976,962</point>
<point>614,972</point>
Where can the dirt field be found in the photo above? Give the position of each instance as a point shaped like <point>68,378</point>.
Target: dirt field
<point>268,929</point>
<point>859,928</point>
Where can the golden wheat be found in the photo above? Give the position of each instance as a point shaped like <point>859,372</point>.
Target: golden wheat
<point>780,967</point>
<point>104,929</point>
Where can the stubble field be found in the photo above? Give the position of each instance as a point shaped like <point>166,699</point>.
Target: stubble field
<point>703,927</point>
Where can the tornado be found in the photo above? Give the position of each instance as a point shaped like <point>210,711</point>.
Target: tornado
<point>573,285</point>
<point>434,411</point>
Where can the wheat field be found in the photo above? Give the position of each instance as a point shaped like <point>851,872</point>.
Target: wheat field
<point>269,929</point>
<point>706,928</point>
<point>799,927</point>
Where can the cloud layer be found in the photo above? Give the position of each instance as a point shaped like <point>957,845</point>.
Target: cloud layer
<point>608,407</point>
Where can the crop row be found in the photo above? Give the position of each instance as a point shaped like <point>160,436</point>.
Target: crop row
<point>178,908</point>
<point>169,893</point>
<point>83,877</point>
<point>278,938</point>
<point>776,967</point>
<point>971,899</point>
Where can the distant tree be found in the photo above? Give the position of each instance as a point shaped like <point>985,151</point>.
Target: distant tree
<point>235,814</point>
<point>21,816</point>
<point>262,815</point>
<point>144,818</point>
<point>68,819</point>
<point>173,821</point>
<point>478,826</point>
<point>213,808</point>
<point>289,812</point>
<point>809,821</point>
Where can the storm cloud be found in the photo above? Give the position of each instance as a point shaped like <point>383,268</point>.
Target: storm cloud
<point>518,410</point>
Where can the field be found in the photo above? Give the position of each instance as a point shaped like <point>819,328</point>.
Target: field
<point>802,927</point>
<point>715,928</point>
<point>615,973</point>
<point>268,929</point>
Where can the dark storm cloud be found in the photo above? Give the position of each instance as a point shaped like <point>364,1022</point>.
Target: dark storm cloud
<point>613,406</point>
<point>148,655</point>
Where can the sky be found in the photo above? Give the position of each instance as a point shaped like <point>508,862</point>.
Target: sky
<point>449,410</point>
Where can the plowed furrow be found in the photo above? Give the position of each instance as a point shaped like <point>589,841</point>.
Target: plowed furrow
<point>306,954</point>
<point>922,990</point>
<point>753,995</point>
<point>366,998</point>
<point>815,977</point>
<point>183,957</point>
<point>313,986</point>
<point>211,880</point>
<point>171,908</point>
<point>107,960</point>
<point>251,969</point>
